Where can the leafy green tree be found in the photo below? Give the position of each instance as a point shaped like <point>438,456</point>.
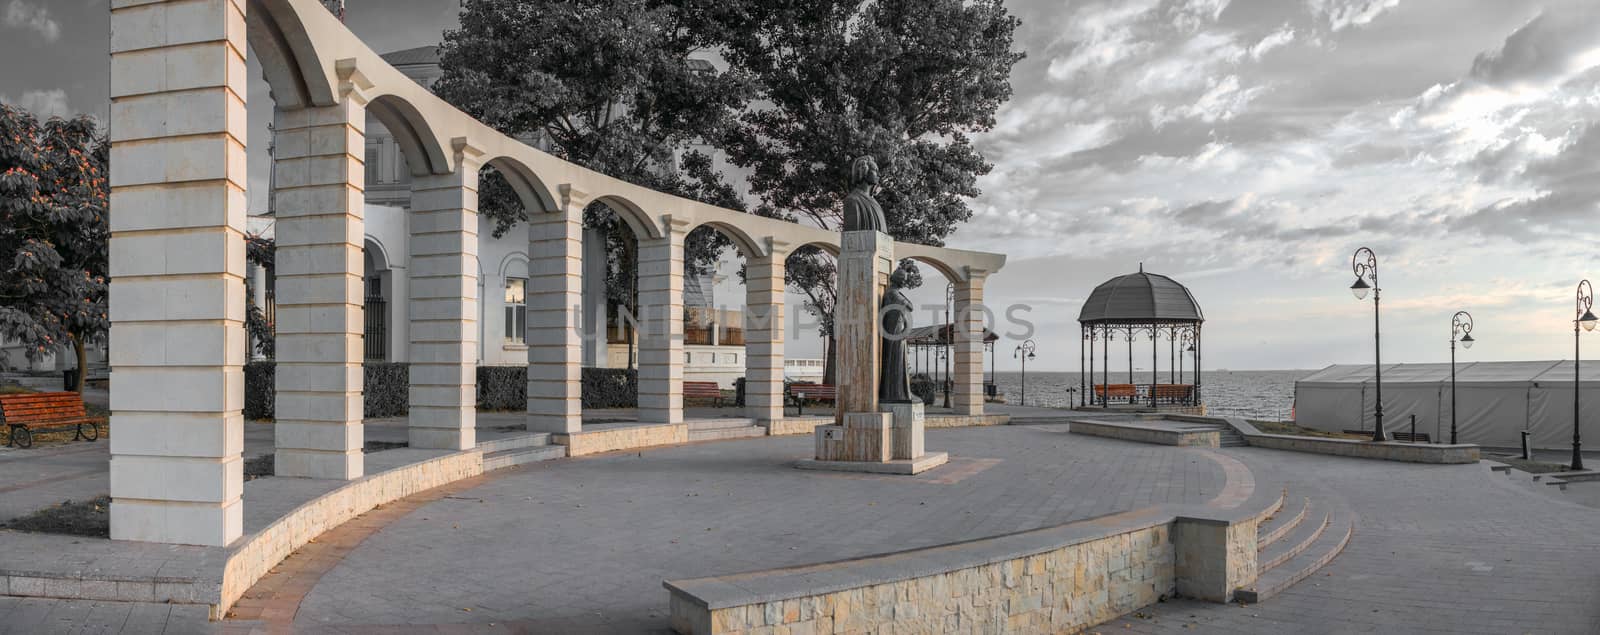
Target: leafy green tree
<point>54,232</point>
<point>906,81</point>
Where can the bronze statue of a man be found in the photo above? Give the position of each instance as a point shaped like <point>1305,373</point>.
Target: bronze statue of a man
<point>894,380</point>
<point>861,211</point>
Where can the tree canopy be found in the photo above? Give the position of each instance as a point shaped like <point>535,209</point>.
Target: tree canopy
<point>54,232</point>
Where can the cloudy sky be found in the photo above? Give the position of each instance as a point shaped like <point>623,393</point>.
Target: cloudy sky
<point>1244,147</point>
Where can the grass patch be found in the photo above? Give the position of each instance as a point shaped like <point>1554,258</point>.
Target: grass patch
<point>1289,428</point>
<point>16,389</point>
<point>90,518</point>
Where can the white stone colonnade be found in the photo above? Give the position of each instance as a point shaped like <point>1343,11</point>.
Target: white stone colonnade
<point>177,263</point>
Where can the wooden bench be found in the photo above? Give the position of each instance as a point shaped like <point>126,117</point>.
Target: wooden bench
<point>799,393</point>
<point>1116,391</point>
<point>1173,392</point>
<point>703,390</point>
<point>22,414</point>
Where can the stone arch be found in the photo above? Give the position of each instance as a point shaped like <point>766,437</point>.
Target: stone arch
<point>636,218</point>
<point>748,246</point>
<point>534,195</point>
<point>289,58</point>
<point>421,147</point>
<point>511,259</point>
<point>380,253</point>
<point>830,248</point>
<point>950,274</point>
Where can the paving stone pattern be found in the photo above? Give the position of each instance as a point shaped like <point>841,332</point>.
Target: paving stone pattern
<point>1437,549</point>
<point>584,544</point>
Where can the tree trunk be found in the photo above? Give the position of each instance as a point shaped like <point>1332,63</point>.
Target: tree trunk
<point>83,360</point>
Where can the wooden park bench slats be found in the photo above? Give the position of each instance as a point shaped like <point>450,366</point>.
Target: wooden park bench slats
<point>1115,391</point>
<point>1173,392</point>
<point>703,390</point>
<point>799,393</point>
<point>22,414</point>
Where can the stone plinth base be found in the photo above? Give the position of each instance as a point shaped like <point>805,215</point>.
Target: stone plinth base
<point>897,466</point>
<point>906,433</point>
<point>865,436</point>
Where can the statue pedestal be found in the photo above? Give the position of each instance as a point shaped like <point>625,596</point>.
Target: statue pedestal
<point>866,258</point>
<point>888,442</point>
<point>867,436</point>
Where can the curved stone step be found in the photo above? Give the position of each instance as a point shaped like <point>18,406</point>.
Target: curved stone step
<point>521,455</point>
<point>1316,555</point>
<point>1282,521</point>
<point>1297,539</point>
<point>523,440</point>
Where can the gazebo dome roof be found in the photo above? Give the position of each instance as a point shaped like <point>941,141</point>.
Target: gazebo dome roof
<point>1141,298</point>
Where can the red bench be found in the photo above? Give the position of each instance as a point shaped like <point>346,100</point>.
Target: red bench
<point>23,414</point>
<point>703,390</point>
<point>1173,392</point>
<point>799,393</point>
<point>1116,391</point>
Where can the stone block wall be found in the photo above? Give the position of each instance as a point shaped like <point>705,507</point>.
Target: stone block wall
<point>1145,434</point>
<point>1392,451</point>
<point>1063,590</point>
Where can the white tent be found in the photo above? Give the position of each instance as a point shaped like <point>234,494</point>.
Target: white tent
<point>1495,401</point>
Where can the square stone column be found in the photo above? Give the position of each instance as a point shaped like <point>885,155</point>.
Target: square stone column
<point>177,292</point>
<point>320,174</point>
<point>968,342</point>
<point>555,298</point>
<point>661,325</point>
<point>444,308</point>
<point>763,336</point>
<point>866,258</point>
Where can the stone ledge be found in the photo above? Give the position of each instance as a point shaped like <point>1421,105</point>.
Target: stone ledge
<point>622,437</point>
<point>940,420</point>
<point>1136,430</point>
<point>1061,578</point>
<point>898,466</point>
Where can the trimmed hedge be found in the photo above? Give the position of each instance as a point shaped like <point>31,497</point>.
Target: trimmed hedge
<point>260,389</point>
<point>387,391</point>
<point>610,388</point>
<point>503,388</point>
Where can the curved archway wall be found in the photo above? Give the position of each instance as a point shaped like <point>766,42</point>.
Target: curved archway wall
<point>177,259</point>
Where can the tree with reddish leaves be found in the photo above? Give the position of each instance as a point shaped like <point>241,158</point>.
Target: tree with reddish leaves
<point>54,232</point>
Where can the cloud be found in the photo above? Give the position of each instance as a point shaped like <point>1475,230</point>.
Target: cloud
<point>1281,37</point>
<point>1343,14</point>
<point>44,103</point>
<point>1552,46</point>
<point>20,14</point>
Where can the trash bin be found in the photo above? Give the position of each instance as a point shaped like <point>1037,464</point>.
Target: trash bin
<point>69,380</point>
<point>738,392</point>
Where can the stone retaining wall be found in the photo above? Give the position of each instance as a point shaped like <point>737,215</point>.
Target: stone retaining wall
<point>258,553</point>
<point>964,421</point>
<point>1059,579</point>
<point>796,425</point>
<point>1391,451</point>
<point>622,438</point>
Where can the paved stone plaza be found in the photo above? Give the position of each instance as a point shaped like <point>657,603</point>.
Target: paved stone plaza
<point>582,545</point>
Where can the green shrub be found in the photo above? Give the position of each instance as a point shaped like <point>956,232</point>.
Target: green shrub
<point>610,388</point>
<point>387,389</point>
<point>260,389</point>
<point>503,388</point>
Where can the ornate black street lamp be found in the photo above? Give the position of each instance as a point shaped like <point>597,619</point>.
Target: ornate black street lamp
<point>1024,352</point>
<point>1369,271</point>
<point>1460,331</point>
<point>948,336</point>
<point>1586,319</point>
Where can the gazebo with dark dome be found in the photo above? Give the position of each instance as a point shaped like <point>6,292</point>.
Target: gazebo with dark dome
<point>1137,306</point>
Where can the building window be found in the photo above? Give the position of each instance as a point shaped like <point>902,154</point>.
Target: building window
<point>372,166</point>
<point>516,310</point>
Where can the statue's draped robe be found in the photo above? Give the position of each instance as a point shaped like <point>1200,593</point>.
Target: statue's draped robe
<point>861,211</point>
<point>894,380</point>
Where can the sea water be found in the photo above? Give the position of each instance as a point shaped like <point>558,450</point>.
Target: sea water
<point>1254,394</point>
